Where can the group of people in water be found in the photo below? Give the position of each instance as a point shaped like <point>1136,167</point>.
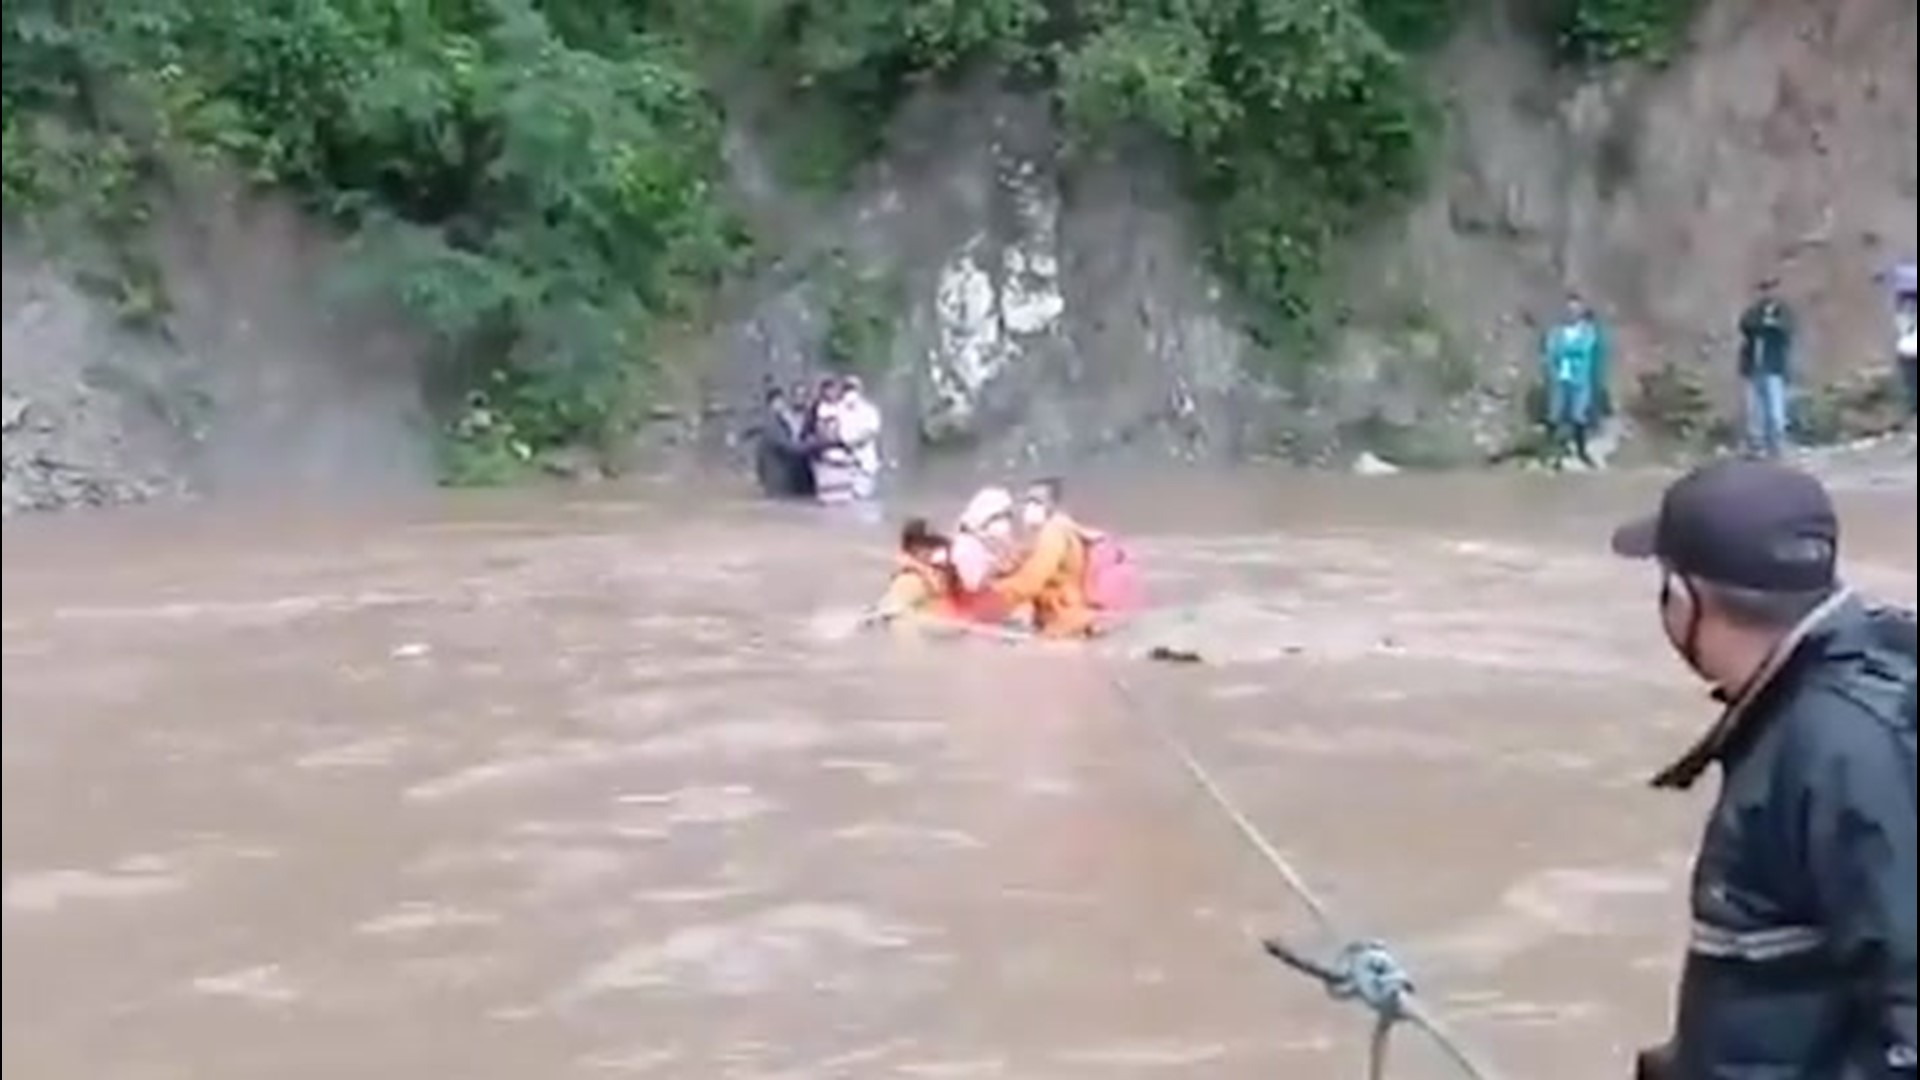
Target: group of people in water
<point>1020,565</point>
<point>819,442</point>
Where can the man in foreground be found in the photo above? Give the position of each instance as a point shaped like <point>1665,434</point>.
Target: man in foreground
<point>1802,957</point>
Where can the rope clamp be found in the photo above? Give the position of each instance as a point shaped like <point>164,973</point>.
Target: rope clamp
<point>1363,971</point>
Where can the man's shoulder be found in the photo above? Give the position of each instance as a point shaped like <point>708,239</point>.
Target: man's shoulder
<point>1855,711</point>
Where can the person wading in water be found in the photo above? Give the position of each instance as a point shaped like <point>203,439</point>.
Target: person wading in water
<point>923,582</point>
<point>1049,580</point>
<point>1801,962</point>
<point>782,460</point>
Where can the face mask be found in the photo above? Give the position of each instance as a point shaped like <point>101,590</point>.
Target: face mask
<point>1684,638</point>
<point>999,528</point>
<point>1034,515</point>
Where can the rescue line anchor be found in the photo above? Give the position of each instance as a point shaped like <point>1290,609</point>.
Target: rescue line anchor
<point>1364,971</point>
<point>1369,973</point>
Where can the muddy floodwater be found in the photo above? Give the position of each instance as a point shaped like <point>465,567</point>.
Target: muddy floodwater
<point>542,787</point>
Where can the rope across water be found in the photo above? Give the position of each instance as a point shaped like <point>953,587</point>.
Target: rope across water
<point>1362,971</point>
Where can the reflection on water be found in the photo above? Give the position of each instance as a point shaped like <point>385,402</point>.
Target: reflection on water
<point>537,788</point>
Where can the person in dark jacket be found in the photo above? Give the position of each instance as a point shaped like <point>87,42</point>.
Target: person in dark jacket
<point>1767,332</point>
<point>1801,961</point>
<point>781,459</point>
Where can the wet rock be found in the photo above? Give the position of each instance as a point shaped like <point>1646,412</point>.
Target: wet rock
<point>261,381</point>
<point>1036,309</point>
<point>574,464</point>
<point>1370,464</point>
<point>1169,654</point>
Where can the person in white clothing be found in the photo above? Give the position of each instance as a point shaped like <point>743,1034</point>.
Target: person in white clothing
<point>984,537</point>
<point>859,428</point>
<point>1906,335</point>
<point>847,468</point>
<point>832,462</point>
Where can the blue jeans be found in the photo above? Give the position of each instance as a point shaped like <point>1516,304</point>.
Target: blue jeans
<point>1767,414</point>
<point>1569,415</point>
<point>1569,404</point>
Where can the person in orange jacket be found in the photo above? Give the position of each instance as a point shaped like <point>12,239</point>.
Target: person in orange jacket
<point>926,584</point>
<point>1050,580</point>
<point>923,581</point>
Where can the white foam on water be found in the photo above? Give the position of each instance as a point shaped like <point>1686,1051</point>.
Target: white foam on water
<point>49,890</point>
<point>264,984</point>
<point>749,956</point>
<point>1159,1054</point>
<point>356,754</point>
<point>708,738</point>
<point>416,918</point>
<point>726,804</point>
<point>544,766</point>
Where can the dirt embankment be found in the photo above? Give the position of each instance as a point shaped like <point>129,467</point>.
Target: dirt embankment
<point>258,380</point>
<point>1781,144</point>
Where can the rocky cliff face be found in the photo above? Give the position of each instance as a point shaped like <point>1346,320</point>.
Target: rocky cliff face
<point>1015,304</point>
<point>1784,145</point>
<point>1020,309</point>
<point>258,379</point>
<point>1051,308</point>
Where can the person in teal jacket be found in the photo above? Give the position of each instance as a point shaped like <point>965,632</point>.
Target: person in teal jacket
<point>1574,360</point>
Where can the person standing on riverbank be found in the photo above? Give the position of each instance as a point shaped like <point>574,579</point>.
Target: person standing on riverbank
<point>1574,359</point>
<point>1801,964</point>
<point>1767,333</point>
<point>1906,334</point>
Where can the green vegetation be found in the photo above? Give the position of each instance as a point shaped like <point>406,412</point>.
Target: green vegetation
<point>1867,404</point>
<point>861,307</point>
<point>1607,31</point>
<point>1296,120</point>
<point>539,180</point>
<point>1674,405</point>
<point>536,182</point>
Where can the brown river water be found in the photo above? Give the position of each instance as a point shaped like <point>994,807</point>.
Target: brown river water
<point>544,787</point>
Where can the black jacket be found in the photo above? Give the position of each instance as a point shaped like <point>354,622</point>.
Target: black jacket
<point>1767,332</point>
<point>1801,964</point>
<point>782,460</point>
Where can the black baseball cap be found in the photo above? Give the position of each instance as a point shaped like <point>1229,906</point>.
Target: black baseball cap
<point>1744,523</point>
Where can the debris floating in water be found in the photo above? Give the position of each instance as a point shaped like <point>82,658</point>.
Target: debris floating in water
<point>1168,654</point>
